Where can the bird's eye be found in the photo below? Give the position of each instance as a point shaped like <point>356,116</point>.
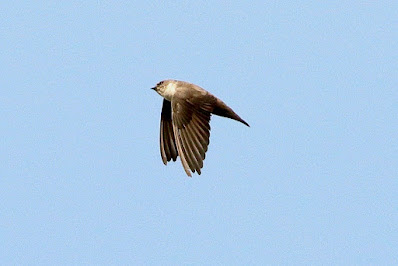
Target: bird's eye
<point>160,83</point>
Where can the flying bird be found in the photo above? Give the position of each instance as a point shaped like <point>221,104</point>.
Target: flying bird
<point>185,122</point>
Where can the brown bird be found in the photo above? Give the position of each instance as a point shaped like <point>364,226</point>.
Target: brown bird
<point>185,122</point>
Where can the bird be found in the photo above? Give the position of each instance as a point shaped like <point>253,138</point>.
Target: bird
<point>185,122</point>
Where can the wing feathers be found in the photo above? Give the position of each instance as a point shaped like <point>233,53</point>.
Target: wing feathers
<point>173,147</point>
<point>196,148</point>
<point>180,150</point>
<point>168,149</point>
<point>163,147</point>
<point>192,133</point>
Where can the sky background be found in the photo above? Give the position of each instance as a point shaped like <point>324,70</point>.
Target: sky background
<point>314,180</point>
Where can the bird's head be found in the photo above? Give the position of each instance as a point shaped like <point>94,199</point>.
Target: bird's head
<point>165,88</point>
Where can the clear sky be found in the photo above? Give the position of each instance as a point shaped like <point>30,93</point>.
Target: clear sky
<point>314,180</point>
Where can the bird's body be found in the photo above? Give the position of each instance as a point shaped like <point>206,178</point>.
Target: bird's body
<point>184,126</point>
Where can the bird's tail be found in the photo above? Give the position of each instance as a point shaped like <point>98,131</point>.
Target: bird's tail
<point>224,110</point>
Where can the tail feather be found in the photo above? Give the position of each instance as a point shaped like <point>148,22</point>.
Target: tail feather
<point>222,109</point>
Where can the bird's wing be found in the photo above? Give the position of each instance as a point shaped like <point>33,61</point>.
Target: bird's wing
<point>191,124</point>
<point>168,148</point>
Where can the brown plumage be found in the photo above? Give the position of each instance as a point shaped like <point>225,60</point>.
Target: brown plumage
<point>185,122</point>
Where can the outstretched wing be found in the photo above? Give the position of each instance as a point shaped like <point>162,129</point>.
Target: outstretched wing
<point>191,126</point>
<point>168,148</point>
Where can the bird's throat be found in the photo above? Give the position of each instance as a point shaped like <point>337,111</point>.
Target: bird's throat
<point>169,91</point>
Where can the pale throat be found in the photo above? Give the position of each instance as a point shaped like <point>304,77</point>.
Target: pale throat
<point>169,91</point>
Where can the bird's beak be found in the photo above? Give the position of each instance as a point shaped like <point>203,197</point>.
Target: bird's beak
<point>154,88</point>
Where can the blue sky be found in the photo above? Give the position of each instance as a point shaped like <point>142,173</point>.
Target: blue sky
<point>314,180</point>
